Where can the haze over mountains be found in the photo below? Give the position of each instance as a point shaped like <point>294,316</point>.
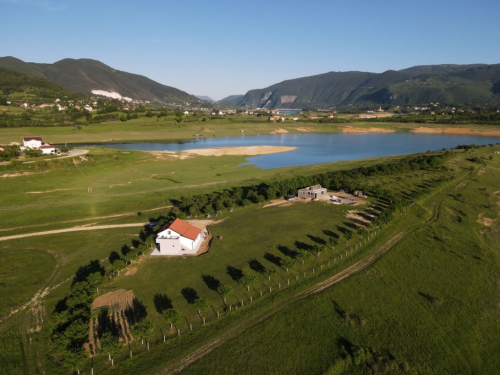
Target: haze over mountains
<point>476,83</point>
<point>91,77</point>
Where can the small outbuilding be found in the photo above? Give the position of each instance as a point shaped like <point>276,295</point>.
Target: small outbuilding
<point>312,192</point>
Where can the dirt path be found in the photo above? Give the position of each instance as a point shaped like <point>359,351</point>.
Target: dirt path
<point>88,219</point>
<point>74,229</point>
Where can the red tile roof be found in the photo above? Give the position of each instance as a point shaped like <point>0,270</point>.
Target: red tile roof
<point>47,146</point>
<point>183,228</point>
<point>26,139</point>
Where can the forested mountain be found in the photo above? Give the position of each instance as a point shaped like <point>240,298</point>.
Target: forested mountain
<point>92,77</point>
<point>19,86</point>
<point>477,83</point>
<point>231,100</point>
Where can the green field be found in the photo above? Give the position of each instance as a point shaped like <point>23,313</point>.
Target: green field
<point>429,305</point>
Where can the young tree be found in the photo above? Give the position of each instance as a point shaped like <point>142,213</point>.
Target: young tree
<point>249,280</point>
<point>172,316</point>
<point>348,235</point>
<point>318,249</point>
<point>142,328</point>
<point>304,255</point>
<point>271,272</point>
<point>109,344</point>
<point>201,305</point>
<point>333,242</point>
<point>288,263</point>
<point>224,291</point>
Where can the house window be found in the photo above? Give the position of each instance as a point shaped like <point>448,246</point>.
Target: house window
<point>168,233</point>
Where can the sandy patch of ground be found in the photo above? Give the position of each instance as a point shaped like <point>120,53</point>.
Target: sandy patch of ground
<point>117,300</point>
<point>277,202</point>
<point>8,175</point>
<point>49,191</point>
<point>486,221</point>
<point>423,129</point>
<point>279,131</point>
<point>240,151</point>
<point>351,129</point>
<point>358,219</point>
<point>305,130</point>
<point>223,151</point>
<point>207,130</point>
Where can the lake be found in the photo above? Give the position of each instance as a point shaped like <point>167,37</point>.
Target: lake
<point>314,148</point>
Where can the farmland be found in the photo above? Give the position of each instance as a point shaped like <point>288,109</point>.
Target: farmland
<point>436,287</point>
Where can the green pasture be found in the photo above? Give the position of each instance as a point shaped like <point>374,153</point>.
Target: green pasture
<point>154,129</point>
<point>436,288</point>
<point>430,304</point>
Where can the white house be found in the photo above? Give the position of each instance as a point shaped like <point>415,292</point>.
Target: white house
<point>88,108</point>
<point>178,238</point>
<point>48,149</point>
<point>312,192</point>
<point>32,142</point>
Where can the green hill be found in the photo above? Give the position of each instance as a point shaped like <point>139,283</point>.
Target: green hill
<point>91,77</point>
<point>19,86</point>
<point>422,84</point>
<point>231,100</point>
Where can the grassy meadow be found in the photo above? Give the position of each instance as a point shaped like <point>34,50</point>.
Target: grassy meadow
<point>430,305</point>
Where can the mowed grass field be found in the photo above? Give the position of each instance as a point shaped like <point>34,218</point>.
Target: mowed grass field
<point>431,304</point>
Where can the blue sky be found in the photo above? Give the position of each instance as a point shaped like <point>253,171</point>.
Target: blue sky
<point>219,48</point>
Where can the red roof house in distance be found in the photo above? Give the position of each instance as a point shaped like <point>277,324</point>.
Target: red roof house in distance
<point>48,149</point>
<point>178,238</point>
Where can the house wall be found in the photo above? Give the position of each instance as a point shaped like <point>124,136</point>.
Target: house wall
<point>33,143</point>
<point>47,151</point>
<point>305,193</point>
<point>169,246</point>
<point>190,244</point>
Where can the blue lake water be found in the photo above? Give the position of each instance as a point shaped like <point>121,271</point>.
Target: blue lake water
<point>314,148</point>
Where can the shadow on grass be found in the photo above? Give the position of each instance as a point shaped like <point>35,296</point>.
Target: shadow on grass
<point>211,282</point>
<point>162,302</point>
<point>190,295</point>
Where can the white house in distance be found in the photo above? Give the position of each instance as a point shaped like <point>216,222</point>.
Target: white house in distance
<point>312,192</point>
<point>48,149</point>
<point>32,142</point>
<point>178,238</point>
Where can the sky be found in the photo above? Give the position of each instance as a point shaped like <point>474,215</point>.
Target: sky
<point>224,47</point>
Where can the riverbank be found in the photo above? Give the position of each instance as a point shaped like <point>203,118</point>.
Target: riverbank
<point>155,131</point>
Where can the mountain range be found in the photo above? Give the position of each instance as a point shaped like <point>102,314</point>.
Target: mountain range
<point>449,83</point>
<point>476,83</point>
<point>92,77</point>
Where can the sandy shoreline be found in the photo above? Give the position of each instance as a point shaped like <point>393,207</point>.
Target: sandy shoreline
<point>449,130</point>
<point>230,151</point>
<point>351,129</point>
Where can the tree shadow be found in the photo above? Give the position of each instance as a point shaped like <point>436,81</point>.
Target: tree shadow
<point>273,259</point>
<point>318,240</point>
<point>190,295</point>
<point>162,302</point>
<point>303,246</point>
<point>211,282</point>
<point>135,312</point>
<point>351,225</point>
<point>235,273</point>
<point>125,250</point>
<point>84,271</point>
<point>113,257</point>
<point>256,266</point>
<point>330,233</point>
<point>286,251</point>
<point>136,243</point>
